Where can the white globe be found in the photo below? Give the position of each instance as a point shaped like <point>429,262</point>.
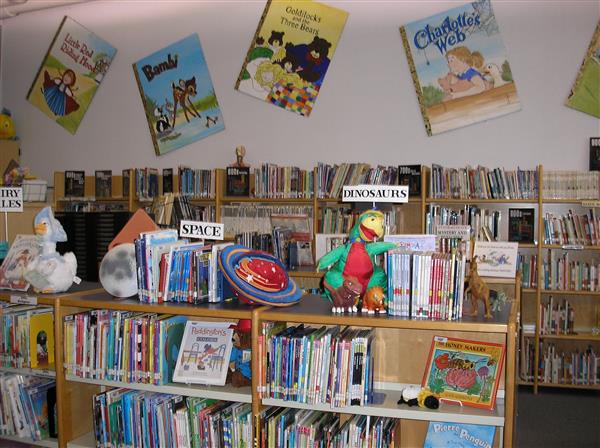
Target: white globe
<point>118,271</point>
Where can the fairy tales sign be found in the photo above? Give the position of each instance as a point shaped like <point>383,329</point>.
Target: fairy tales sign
<point>11,199</point>
<point>201,230</point>
<point>375,193</point>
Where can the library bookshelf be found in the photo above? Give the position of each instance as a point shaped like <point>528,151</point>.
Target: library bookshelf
<point>52,300</point>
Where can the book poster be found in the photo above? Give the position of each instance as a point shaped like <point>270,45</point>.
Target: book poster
<point>459,435</point>
<point>23,249</point>
<point>463,371</point>
<point>178,95</point>
<point>70,74</point>
<point>585,93</point>
<point>496,259</point>
<point>291,53</point>
<point>459,67</point>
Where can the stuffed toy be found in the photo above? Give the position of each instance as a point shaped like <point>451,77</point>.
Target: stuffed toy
<point>51,272</point>
<point>240,374</point>
<point>419,396</point>
<point>354,263</point>
<point>7,126</point>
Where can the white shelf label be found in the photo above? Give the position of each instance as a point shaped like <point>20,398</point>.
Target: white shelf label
<point>201,230</point>
<point>23,300</point>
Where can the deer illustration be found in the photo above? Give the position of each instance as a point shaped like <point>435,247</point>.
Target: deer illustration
<point>479,290</point>
<point>181,95</point>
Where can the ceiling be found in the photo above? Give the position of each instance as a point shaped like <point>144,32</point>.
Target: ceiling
<point>11,8</point>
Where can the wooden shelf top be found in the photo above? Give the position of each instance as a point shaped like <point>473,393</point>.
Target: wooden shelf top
<point>479,201</point>
<point>48,373</point>
<point>568,201</point>
<point>102,300</point>
<point>570,292</point>
<point>573,337</point>
<point>226,392</point>
<point>84,288</point>
<point>314,309</point>
<point>306,272</point>
<point>571,386</point>
<point>267,200</point>
<point>27,441</point>
<point>570,247</point>
<point>388,407</point>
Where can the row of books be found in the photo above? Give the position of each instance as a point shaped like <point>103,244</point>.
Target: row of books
<point>316,365</point>
<point>122,345</point>
<point>342,219</point>
<point>482,183</point>
<point>195,183</point>
<point>282,428</point>
<point>527,265</point>
<point>564,367</point>
<point>257,218</point>
<point>169,209</point>
<point>572,228</point>
<point>124,417</point>
<point>425,284</point>
<point>146,183</point>
<point>332,178</point>
<point>560,273</point>
<point>26,336</point>
<point>557,317</point>
<point>283,182</point>
<point>86,206</point>
<point>27,406</point>
<point>484,223</point>
<point>172,270</point>
<point>571,185</point>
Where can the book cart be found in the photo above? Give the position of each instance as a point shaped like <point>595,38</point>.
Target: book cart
<point>52,300</point>
<point>75,409</point>
<point>401,349</point>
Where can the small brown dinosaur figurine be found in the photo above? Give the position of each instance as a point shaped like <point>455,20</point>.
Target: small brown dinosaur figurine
<point>346,297</point>
<point>479,290</point>
<point>373,300</point>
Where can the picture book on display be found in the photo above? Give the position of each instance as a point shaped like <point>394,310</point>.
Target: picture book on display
<point>496,259</point>
<point>459,435</point>
<point>23,249</point>
<point>70,74</point>
<point>464,371</point>
<point>75,184</point>
<point>103,183</point>
<point>410,175</point>
<point>204,353</point>
<point>521,224</point>
<point>459,67</point>
<point>291,52</point>
<point>178,95</point>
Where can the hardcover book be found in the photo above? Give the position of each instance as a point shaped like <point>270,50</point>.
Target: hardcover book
<point>75,184</point>
<point>291,52</point>
<point>410,175</point>
<point>103,183</point>
<point>70,74</point>
<point>23,249</point>
<point>496,259</point>
<point>204,353</point>
<point>459,435</point>
<point>464,371</point>
<point>585,94</point>
<point>459,67</point>
<point>521,224</point>
<point>167,180</point>
<point>126,178</point>
<point>238,181</point>
<point>594,153</point>
<point>178,95</point>
<point>41,339</point>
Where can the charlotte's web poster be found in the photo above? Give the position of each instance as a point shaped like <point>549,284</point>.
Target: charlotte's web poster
<point>291,53</point>
<point>70,74</point>
<point>178,95</point>
<point>459,67</point>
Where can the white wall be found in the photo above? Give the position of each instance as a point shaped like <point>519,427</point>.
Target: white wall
<point>367,110</point>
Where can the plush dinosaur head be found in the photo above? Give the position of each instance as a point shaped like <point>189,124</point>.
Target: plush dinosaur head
<point>368,227</point>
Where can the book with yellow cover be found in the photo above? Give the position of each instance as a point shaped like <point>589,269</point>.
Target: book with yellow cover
<point>291,53</point>
<point>41,339</point>
<point>464,371</point>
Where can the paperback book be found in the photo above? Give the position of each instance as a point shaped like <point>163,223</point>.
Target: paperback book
<point>410,175</point>
<point>459,435</point>
<point>75,184</point>
<point>103,184</point>
<point>521,224</point>
<point>12,272</point>
<point>464,371</point>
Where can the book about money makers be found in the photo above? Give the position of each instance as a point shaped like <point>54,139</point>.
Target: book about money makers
<point>291,52</point>
<point>178,95</point>
<point>70,74</point>
<point>459,67</point>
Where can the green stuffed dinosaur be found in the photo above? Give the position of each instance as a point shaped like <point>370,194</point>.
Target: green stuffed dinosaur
<point>354,271</point>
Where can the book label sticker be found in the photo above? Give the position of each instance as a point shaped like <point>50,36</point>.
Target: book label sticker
<point>201,230</point>
<point>23,300</point>
<point>11,199</point>
<point>375,193</point>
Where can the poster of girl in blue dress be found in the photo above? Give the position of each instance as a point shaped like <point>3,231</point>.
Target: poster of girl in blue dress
<point>178,95</point>
<point>459,67</point>
<point>70,74</point>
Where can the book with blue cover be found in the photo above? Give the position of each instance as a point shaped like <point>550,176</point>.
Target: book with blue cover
<point>459,435</point>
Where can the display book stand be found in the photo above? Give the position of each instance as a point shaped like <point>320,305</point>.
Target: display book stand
<point>402,348</point>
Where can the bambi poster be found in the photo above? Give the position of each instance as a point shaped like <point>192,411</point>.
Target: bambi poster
<point>70,74</point>
<point>178,95</point>
<point>291,53</point>
<point>459,67</point>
